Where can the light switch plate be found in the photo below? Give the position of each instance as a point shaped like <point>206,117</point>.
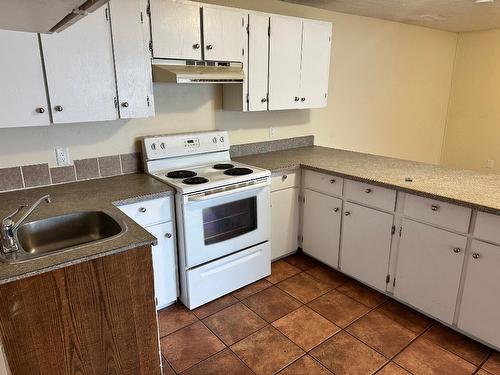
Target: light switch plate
<point>272,132</point>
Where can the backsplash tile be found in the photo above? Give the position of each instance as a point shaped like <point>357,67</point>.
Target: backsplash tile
<point>110,166</point>
<point>11,178</point>
<point>36,175</point>
<point>63,174</point>
<point>131,163</point>
<point>87,169</point>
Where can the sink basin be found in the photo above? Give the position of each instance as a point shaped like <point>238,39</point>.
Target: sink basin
<point>61,233</point>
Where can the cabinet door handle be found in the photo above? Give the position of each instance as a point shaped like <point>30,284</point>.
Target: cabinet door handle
<point>457,250</point>
<point>168,235</point>
<point>196,46</point>
<point>434,207</point>
<point>476,256</point>
<point>368,191</point>
<point>336,209</point>
<point>210,47</point>
<point>332,181</point>
<point>347,213</point>
<point>142,209</point>
<point>59,108</point>
<point>40,110</point>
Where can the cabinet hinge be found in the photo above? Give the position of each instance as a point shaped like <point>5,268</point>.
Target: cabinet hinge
<point>394,282</point>
<point>248,28</point>
<point>387,279</point>
<point>147,100</point>
<point>151,46</point>
<point>269,30</point>
<point>148,9</point>
<point>400,231</point>
<point>326,94</point>
<point>393,230</point>
<point>106,12</point>
<point>243,22</point>
<point>242,52</point>
<point>142,18</point>
<point>116,101</point>
<point>248,98</point>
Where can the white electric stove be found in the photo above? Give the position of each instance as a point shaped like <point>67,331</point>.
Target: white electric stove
<point>222,213</point>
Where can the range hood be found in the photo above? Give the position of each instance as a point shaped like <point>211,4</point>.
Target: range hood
<point>45,16</point>
<point>173,71</point>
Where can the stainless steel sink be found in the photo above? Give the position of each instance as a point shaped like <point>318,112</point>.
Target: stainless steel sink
<point>62,233</point>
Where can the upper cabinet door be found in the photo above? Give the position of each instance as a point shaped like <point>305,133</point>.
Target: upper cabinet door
<point>258,62</point>
<point>284,63</point>
<point>132,60</point>
<point>23,101</point>
<point>224,34</point>
<point>176,30</point>
<point>316,47</point>
<point>80,71</point>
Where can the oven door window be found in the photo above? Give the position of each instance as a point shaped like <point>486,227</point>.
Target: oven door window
<point>230,220</point>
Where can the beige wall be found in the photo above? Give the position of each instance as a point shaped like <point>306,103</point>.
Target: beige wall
<point>389,91</point>
<point>473,128</point>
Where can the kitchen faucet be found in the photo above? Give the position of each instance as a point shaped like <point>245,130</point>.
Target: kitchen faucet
<point>9,227</point>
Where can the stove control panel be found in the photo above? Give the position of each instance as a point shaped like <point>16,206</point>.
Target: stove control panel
<point>167,146</point>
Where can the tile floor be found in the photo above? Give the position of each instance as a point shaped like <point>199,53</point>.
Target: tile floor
<point>309,319</point>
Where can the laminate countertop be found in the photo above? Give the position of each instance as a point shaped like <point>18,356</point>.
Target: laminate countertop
<point>464,187</point>
<point>93,195</point>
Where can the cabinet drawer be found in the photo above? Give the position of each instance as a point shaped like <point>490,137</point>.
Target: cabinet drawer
<point>487,227</point>
<point>285,180</point>
<point>371,195</point>
<point>324,183</point>
<point>149,212</point>
<point>439,213</point>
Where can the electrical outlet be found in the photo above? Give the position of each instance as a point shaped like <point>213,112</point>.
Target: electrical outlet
<point>62,156</point>
<point>490,164</point>
<point>272,132</point>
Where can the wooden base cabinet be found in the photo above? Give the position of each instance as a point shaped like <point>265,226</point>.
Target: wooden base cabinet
<point>366,244</point>
<point>285,222</point>
<point>321,227</point>
<point>429,268</point>
<point>480,308</point>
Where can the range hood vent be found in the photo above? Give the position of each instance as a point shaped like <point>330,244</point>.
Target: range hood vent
<point>174,71</point>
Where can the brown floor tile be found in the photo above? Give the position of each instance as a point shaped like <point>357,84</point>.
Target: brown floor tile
<point>457,343</point>
<point>280,271</point>
<point>217,305</point>
<point>492,365</point>
<point>344,354</point>
<point>482,372</point>
<point>301,261</point>
<point>223,363</point>
<point>251,289</point>
<point>305,365</point>
<point>189,346</point>
<point>167,369</point>
<point>423,357</point>
<point>267,351</point>
<point>393,369</point>
<point>173,318</point>
<point>407,317</point>
<point>272,303</point>
<point>303,287</point>
<point>362,293</point>
<point>328,276</point>
<point>381,333</point>
<point>306,328</point>
<point>234,323</point>
<point>338,308</point>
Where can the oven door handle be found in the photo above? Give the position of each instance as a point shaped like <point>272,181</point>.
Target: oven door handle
<point>201,198</point>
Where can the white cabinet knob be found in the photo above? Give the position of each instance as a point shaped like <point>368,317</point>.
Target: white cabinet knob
<point>142,209</point>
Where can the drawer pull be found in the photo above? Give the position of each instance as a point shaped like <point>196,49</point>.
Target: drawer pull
<point>336,209</point>
<point>332,181</point>
<point>434,208</point>
<point>476,256</point>
<point>347,213</point>
<point>457,250</point>
<point>168,235</point>
<point>368,191</point>
<point>142,209</point>
<point>284,177</point>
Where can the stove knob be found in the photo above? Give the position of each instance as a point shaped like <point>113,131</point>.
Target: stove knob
<point>222,139</point>
<point>214,140</point>
<point>153,146</point>
<point>162,145</point>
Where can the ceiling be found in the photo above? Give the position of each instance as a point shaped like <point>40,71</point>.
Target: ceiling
<point>449,15</point>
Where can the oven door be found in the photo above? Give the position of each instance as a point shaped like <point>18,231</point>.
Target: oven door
<point>223,223</point>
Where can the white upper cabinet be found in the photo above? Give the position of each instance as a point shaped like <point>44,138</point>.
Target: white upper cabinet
<point>284,62</point>
<point>132,58</point>
<point>176,30</point>
<point>23,101</point>
<point>258,62</point>
<point>315,69</point>
<point>80,71</point>
<point>224,34</point>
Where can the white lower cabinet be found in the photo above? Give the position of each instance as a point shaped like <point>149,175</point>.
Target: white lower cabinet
<point>285,221</point>
<point>321,227</point>
<point>366,244</point>
<point>480,308</point>
<point>429,268</point>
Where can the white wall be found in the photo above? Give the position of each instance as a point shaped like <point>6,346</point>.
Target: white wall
<point>389,91</point>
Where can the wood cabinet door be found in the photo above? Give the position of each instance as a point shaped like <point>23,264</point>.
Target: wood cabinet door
<point>23,100</point>
<point>480,306</point>
<point>366,244</point>
<point>315,71</point>
<point>258,62</point>
<point>284,63</point>
<point>284,221</point>
<point>176,30</point>
<point>429,267</point>
<point>321,227</point>
<point>224,34</point>
<point>132,58</point>
<point>164,264</point>
<point>80,70</point>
